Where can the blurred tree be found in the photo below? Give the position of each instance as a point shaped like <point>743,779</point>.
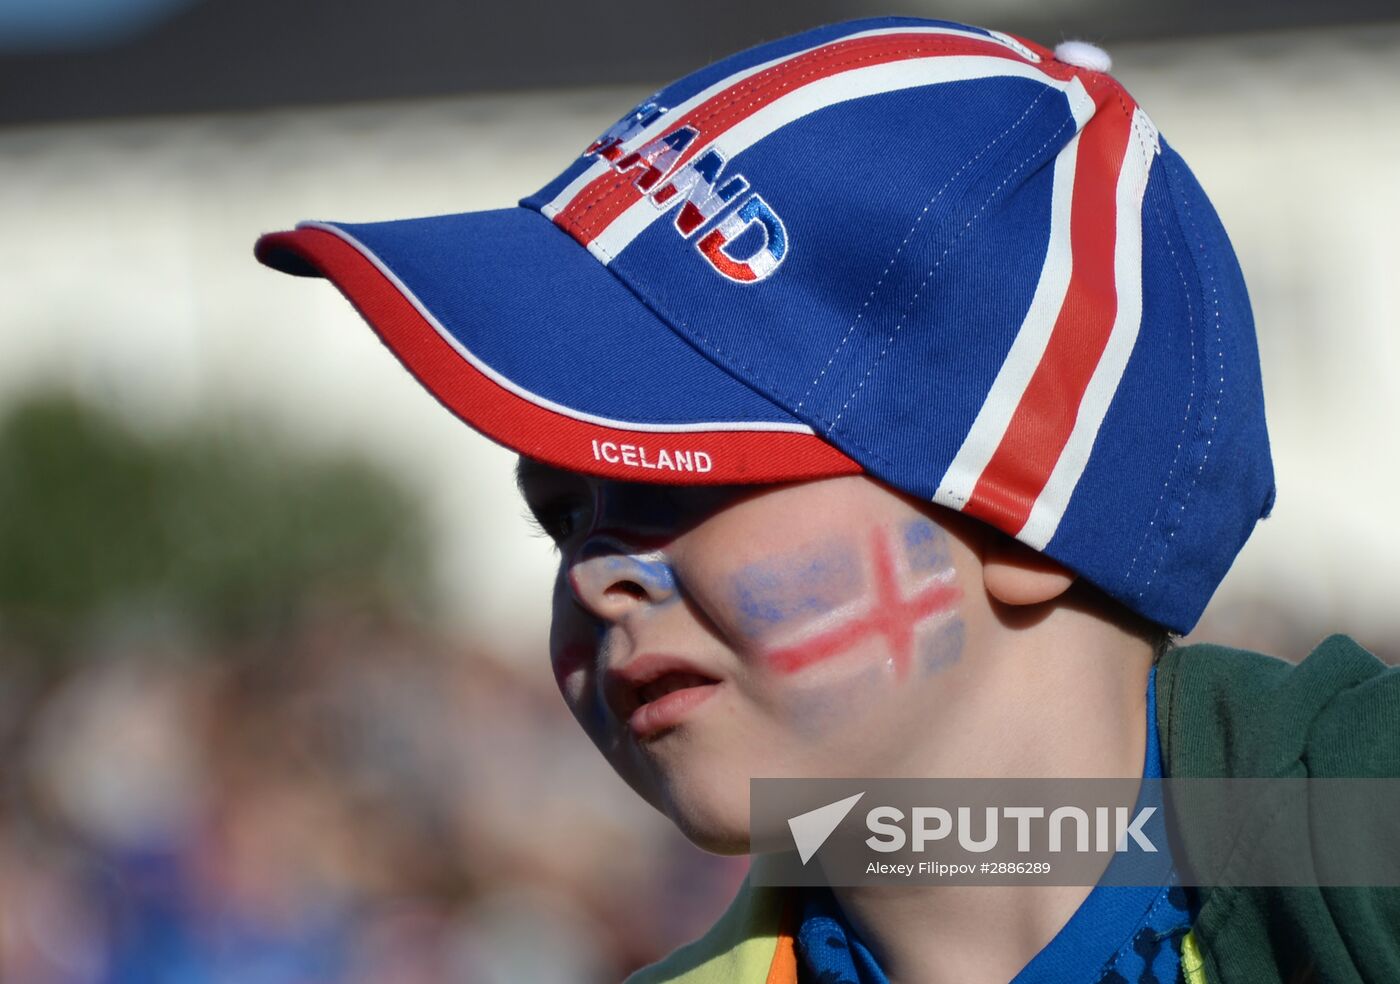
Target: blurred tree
<point>224,529</point>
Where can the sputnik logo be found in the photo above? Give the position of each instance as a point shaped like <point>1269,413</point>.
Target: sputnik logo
<point>811,829</point>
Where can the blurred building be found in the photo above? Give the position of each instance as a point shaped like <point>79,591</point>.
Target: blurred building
<point>126,271</point>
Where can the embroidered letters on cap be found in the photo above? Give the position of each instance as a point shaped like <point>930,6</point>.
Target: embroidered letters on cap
<point>702,190</point>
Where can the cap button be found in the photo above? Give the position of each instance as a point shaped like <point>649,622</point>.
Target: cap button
<point>1082,54</point>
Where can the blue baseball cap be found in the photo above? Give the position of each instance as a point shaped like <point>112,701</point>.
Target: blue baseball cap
<point>939,255</point>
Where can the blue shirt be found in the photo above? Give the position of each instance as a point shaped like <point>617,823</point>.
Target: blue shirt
<point>1119,934</point>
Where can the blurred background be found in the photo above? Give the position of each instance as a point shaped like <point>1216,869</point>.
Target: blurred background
<point>274,697</point>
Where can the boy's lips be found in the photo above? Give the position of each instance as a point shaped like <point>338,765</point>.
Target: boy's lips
<point>654,691</point>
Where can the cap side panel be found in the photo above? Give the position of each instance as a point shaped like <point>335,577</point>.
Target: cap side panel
<point>1180,471</point>
<point>1226,483</point>
<point>667,457</point>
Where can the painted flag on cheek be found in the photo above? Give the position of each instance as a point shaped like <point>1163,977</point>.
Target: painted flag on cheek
<point>836,600</point>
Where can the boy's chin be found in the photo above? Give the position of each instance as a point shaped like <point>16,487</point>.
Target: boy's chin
<point>719,828</point>
<point>715,841</point>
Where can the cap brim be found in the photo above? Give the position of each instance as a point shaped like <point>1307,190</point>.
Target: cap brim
<point>518,330</point>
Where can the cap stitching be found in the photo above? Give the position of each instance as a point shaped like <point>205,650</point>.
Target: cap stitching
<point>889,342</point>
<point>1205,267</point>
<point>1190,397</point>
<point>1136,128</point>
<point>754,86</point>
<point>909,235</point>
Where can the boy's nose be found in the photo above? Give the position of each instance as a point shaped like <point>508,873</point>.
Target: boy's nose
<point>611,579</point>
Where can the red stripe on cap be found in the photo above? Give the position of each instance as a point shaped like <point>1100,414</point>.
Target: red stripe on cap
<point>536,431</point>
<point>1041,425</point>
<point>595,207</point>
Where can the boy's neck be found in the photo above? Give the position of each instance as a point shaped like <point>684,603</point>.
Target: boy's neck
<point>1068,700</point>
<point>969,934</point>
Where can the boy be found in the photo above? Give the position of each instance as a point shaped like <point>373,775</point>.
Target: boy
<point>891,394</point>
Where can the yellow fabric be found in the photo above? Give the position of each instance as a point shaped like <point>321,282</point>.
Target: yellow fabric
<point>1193,965</point>
<point>738,949</point>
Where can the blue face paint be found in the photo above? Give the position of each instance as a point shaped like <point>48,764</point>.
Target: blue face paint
<point>925,546</point>
<point>815,712</point>
<point>606,559</point>
<point>651,570</point>
<point>942,647</point>
<point>805,583</point>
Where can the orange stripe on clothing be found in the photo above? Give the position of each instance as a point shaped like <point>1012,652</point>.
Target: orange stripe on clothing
<point>783,969</point>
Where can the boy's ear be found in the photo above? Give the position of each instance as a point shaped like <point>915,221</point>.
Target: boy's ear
<point>1014,574</point>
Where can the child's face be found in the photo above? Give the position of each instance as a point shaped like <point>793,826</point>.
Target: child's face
<point>703,636</point>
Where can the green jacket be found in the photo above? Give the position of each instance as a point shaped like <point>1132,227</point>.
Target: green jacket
<point>1220,713</point>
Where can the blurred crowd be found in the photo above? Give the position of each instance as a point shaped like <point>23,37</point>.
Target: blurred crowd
<point>234,748</point>
<point>355,801</point>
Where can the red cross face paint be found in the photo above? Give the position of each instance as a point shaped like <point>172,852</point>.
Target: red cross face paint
<point>812,607</point>
<point>705,636</point>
